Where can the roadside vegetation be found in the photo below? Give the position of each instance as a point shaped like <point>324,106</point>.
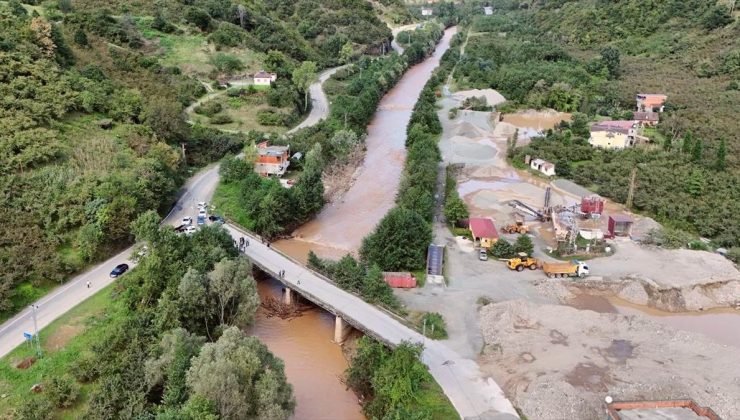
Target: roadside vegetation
<point>92,113</point>
<point>166,342</point>
<point>574,56</point>
<point>395,384</point>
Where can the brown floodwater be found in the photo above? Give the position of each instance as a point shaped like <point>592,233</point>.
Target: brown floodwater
<point>342,225</point>
<point>314,364</point>
<point>721,325</point>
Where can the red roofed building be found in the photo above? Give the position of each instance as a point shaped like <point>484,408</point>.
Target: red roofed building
<point>483,231</point>
<point>650,102</point>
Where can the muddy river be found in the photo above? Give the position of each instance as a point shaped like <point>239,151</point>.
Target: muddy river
<point>721,325</point>
<point>340,226</point>
<point>314,364</point>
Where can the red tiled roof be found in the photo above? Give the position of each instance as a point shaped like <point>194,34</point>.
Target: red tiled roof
<point>652,99</point>
<point>483,228</point>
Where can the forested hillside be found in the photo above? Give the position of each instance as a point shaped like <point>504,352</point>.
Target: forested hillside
<point>592,57</point>
<point>91,112</point>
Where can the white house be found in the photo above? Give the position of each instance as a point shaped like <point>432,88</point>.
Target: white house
<point>426,11</point>
<point>488,10</point>
<point>543,166</point>
<point>263,78</point>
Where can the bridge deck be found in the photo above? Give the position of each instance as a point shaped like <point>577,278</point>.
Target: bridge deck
<point>460,378</point>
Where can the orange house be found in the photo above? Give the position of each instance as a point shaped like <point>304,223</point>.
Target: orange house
<point>272,160</point>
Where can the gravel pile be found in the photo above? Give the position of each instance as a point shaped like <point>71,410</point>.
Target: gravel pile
<point>556,362</point>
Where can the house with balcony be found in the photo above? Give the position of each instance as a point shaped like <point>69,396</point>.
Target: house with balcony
<point>613,134</point>
<point>272,160</point>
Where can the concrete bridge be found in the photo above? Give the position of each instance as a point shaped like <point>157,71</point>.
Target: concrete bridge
<point>473,396</point>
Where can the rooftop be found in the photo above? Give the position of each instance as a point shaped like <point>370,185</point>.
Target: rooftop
<point>647,116</point>
<point>483,227</point>
<point>263,75</point>
<point>621,218</point>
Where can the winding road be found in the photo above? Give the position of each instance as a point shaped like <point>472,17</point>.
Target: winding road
<point>199,187</point>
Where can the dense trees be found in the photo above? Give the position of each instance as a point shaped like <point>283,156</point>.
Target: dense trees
<point>357,277</point>
<point>399,242</point>
<point>395,382</point>
<point>242,378</point>
<point>173,347</point>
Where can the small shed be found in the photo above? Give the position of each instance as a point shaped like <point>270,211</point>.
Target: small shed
<point>620,225</point>
<point>488,10</point>
<point>403,280</point>
<point>483,231</point>
<point>543,166</point>
<point>426,11</point>
<point>435,263</point>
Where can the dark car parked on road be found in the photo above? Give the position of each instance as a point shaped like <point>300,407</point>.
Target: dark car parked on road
<point>119,270</point>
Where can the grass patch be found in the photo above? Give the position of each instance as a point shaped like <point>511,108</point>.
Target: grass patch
<point>433,400</point>
<point>62,342</point>
<point>25,294</point>
<point>421,277</point>
<point>226,200</point>
<point>243,112</point>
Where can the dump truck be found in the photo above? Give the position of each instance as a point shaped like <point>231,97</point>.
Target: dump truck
<point>521,262</point>
<point>573,268</point>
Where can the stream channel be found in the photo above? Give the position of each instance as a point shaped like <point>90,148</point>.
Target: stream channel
<point>314,364</point>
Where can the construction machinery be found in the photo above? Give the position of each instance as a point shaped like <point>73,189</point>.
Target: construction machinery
<point>521,261</point>
<point>517,227</point>
<point>573,268</point>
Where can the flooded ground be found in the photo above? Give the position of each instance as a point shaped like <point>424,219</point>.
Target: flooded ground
<point>342,225</point>
<point>314,364</point>
<point>721,325</point>
<point>532,123</point>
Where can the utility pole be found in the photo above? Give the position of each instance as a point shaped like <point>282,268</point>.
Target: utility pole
<point>631,192</point>
<point>184,159</point>
<point>34,307</point>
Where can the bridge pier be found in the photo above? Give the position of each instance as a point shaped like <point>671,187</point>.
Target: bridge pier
<point>341,329</point>
<point>288,296</point>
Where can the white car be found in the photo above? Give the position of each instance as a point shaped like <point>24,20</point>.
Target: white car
<point>190,230</point>
<point>202,205</point>
<point>202,212</point>
<point>187,220</point>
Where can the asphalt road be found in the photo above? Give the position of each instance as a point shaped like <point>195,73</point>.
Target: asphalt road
<point>200,187</point>
<point>60,300</point>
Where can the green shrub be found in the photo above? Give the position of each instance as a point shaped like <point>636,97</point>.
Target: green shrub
<point>524,244</point>
<point>85,368</point>
<point>221,119</point>
<point>270,117</point>
<point>62,391</point>
<point>502,249</point>
<point>436,327</point>
<point>209,108</point>
<point>35,408</point>
<point>733,254</point>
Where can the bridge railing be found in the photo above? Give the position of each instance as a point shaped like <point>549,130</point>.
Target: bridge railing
<point>315,299</point>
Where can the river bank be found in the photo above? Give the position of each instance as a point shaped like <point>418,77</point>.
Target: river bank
<point>342,225</point>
